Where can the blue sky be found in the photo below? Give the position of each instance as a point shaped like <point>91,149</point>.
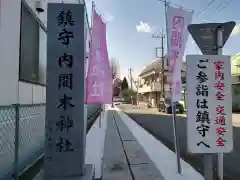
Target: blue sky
<point>136,49</point>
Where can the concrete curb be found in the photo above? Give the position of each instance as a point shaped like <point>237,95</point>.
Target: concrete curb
<point>164,158</point>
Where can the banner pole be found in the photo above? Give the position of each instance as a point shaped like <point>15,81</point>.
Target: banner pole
<point>176,137</point>
<point>175,132</point>
<point>219,46</point>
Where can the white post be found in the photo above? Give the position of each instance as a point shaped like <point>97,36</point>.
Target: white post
<point>219,46</point>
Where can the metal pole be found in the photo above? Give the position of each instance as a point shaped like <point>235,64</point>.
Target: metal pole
<point>16,143</point>
<point>112,87</point>
<point>219,46</point>
<point>130,74</point>
<point>175,132</point>
<point>176,137</point>
<point>100,116</point>
<point>161,73</point>
<point>208,167</point>
<point>137,91</point>
<point>208,164</point>
<point>163,89</point>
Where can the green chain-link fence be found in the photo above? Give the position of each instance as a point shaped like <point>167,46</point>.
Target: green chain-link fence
<point>22,131</point>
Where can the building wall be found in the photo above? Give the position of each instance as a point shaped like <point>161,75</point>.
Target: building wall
<point>235,64</point>
<point>11,89</point>
<point>155,77</point>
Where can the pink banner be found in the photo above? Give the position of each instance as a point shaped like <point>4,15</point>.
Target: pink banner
<point>177,21</point>
<point>99,75</point>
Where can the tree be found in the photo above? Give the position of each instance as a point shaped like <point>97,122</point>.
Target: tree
<point>116,91</point>
<point>116,86</point>
<point>124,84</point>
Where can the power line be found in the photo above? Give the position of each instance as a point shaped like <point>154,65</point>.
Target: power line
<point>169,3</point>
<point>220,7</point>
<point>206,7</point>
<point>217,8</point>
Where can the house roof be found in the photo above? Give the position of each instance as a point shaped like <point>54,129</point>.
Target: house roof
<point>157,66</point>
<point>235,56</point>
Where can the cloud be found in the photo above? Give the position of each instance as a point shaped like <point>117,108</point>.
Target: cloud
<point>144,27</point>
<point>236,30</point>
<point>108,17</point>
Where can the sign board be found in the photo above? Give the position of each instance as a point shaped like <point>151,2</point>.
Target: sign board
<point>65,126</point>
<point>209,103</point>
<point>205,35</point>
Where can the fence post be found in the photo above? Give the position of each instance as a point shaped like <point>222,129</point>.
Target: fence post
<point>16,143</point>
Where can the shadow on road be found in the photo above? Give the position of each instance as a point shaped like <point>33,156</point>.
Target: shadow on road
<point>161,127</point>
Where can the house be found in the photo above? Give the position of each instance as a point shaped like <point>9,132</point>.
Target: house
<point>235,70</point>
<point>23,50</point>
<point>150,82</point>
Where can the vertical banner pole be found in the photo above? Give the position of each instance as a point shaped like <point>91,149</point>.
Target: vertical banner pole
<point>100,116</point>
<point>175,132</point>
<point>176,137</point>
<point>219,46</point>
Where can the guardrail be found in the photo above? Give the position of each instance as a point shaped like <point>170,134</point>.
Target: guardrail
<point>22,133</point>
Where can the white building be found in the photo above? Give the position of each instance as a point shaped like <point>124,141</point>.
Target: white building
<point>23,50</point>
<point>150,82</point>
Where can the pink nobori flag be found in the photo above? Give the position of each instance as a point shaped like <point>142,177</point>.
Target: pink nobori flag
<point>99,75</point>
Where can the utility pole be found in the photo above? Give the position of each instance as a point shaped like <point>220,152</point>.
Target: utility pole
<point>136,83</point>
<point>130,77</point>
<point>161,37</point>
<point>113,76</point>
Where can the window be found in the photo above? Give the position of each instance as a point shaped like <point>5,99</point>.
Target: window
<point>33,39</point>
<point>183,80</point>
<point>42,73</point>
<point>165,80</point>
<point>238,78</point>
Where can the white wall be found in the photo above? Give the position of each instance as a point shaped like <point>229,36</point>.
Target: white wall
<point>11,90</point>
<point>9,50</point>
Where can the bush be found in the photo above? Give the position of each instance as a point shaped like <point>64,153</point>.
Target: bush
<point>128,95</point>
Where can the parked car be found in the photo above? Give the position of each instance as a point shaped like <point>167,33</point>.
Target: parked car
<point>165,105</point>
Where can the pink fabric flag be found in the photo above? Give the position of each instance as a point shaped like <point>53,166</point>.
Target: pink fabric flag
<point>99,75</point>
<point>177,21</point>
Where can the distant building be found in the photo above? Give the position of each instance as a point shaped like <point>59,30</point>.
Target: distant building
<point>150,82</point>
<point>235,70</point>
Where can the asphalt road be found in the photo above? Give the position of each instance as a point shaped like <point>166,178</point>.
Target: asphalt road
<point>160,125</point>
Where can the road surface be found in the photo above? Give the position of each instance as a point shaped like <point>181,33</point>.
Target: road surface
<point>160,126</point>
